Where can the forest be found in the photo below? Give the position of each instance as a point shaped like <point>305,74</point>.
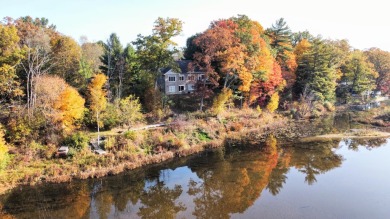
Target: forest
<point>56,91</point>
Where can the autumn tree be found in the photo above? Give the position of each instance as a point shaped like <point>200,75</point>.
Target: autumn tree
<point>220,101</point>
<point>70,108</point>
<point>91,53</point>
<point>66,54</point>
<point>97,98</point>
<point>10,56</point>
<point>273,103</point>
<point>47,94</point>
<point>301,48</point>
<point>267,85</point>
<point>59,103</point>
<point>359,74</point>
<point>381,61</point>
<point>234,55</point>
<point>280,36</point>
<point>130,108</point>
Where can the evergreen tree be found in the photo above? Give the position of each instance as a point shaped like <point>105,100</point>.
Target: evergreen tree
<point>316,72</point>
<point>113,65</point>
<point>280,35</point>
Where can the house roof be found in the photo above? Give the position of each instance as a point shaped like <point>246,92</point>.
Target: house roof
<point>183,65</point>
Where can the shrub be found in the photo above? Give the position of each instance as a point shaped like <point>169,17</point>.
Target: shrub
<point>111,116</point>
<point>220,101</point>
<point>273,103</point>
<point>203,136</point>
<point>236,127</point>
<point>329,106</point>
<point>72,153</point>
<point>4,157</point>
<point>130,135</point>
<point>109,143</point>
<point>78,141</point>
<point>37,150</point>
<point>18,130</point>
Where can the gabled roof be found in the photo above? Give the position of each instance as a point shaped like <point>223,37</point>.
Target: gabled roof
<point>183,65</point>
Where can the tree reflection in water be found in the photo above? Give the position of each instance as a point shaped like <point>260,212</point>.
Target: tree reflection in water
<point>216,184</point>
<point>369,144</point>
<point>315,158</point>
<point>159,201</point>
<point>232,184</point>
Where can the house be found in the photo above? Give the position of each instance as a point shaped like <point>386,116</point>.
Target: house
<point>172,82</point>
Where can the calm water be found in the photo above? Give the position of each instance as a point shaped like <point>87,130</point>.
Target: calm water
<point>339,179</point>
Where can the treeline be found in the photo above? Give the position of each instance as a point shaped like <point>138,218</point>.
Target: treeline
<point>51,86</point>
<point>277,67</point>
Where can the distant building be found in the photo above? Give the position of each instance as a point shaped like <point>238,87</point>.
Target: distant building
<point>173,82</point>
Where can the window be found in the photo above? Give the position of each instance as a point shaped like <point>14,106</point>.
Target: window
<point>171,89</point>
<point>171,78</point>
<point>191,77</point>
<point>200,77</point>
<point>181,87</point>
<point>181,78</point>
<point>191,87</point>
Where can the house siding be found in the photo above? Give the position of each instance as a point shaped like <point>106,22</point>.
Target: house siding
<point>187,83</point>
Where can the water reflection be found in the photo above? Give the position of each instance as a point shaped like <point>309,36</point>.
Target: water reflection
<point>158,201</point>
<point>369,144</point>
<point>214,185</point>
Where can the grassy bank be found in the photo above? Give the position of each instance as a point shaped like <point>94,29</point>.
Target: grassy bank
<point>184,135</point>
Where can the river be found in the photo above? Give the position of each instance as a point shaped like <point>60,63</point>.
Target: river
<point>275,179</point>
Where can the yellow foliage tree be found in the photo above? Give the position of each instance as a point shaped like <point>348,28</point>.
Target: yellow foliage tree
<point>10,55</point>
<point>220,101</point>
<point>273,103</point>
<point>97,98</point>
<point>3,150</point>
<point>301,48</point>
<point>70,106</point>
<point>130,108</point>
<point>66,54</point>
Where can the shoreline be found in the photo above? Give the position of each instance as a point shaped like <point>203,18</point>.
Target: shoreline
<point>254,131</point>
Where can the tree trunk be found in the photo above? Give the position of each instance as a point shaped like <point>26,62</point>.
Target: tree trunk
<point>203,94</point>
<point>98,128</point>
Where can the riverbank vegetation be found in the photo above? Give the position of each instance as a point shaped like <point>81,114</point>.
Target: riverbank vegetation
<point>55,91</point>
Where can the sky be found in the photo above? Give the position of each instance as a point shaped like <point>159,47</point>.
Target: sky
<point>364,24</point>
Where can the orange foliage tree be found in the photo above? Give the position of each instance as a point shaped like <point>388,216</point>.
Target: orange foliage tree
<point>59,103</point>
<point>70,107</point>
<point>235,51</point>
